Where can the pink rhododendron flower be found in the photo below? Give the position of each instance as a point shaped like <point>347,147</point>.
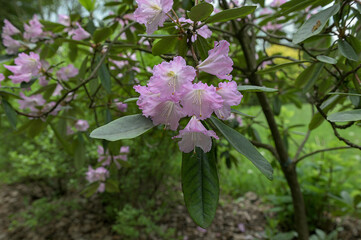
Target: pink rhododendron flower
<point>195,135</point>
<point>82,125</point>
<point>203,31</point>
<point>9,29</point>
<point>121,106</point>
<point>106,159</point>
<point>101,187</point>
<point>33,103</point>
<point>79,33</point>
<point>98,174</point>
<point>271,26</point>
<point>12,45</point>
<point>165,111</point>
<point>277,3</point>
<point>171,77</point>
<point>49,106</point>
<point>26,67</point>
<point>124,149</point>
<point>67,72</point>
<point>2,77</point>
<point>218,63</point>
<point>152,13</point>
<point>201,100</point>
<point>237,118</point>
<point>64,20</point>
<point>33,30</point>
<point>231,97</point>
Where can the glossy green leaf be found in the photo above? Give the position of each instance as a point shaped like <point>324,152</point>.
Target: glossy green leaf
<point>326,59</point>
<point>79,153</point>
<point>111,186</point>
<point>200,185</point>
<point>315,24</point>
<point>10,113</point>
<point>131,99</point>
<point>318,119</point>
<point>241,113</point>
<point>164,45</point>
<point>347,51</point>
<point>242,145</point>
<point>200,11</point>
<point>88,4</point>
<point>274,68</point>
<point>102,34</point>
<point>231,14</point>
<point>123,128</point>
<point>250,88</point>
<point>202,47</point>
<point>347,94</point>
<point>314,76</point>
<point>346,116</point>
<point>105,77</point>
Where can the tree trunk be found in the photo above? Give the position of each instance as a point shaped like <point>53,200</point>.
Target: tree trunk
<point>289,170</point>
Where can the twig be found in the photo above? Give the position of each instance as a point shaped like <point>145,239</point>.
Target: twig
<point>320,151</point>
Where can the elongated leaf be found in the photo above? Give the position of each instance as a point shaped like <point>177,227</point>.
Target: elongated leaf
<point>347,51</point>
<point>158,35</point>
<point>318,119</point>
<point>231,14</point>
<point>274,68</point>
<point>315,24</point>
<point>251,88</point>
<point>200,185</point>
<point>314,76</point>
<point>242,145</point>
<point>346,116</point>
<point>88,4</point>
<point>105,77</point>
<point>202,47</point>
<point>101,34</point>
<point>241,113</point>
<point>131,99</point>
<point>164,45</point>
<point>10,113</point>
<point>200,11</point>
<point>79,153</point>
<point>326,59</point>
<point>123,128</point>
<point>342,93</point>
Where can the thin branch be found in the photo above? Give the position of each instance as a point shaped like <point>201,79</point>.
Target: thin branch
<point>320,151</point>
<point>300,148</point>
<point>267,147</point>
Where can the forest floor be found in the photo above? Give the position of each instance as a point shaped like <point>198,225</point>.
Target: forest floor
<point>244,219</point>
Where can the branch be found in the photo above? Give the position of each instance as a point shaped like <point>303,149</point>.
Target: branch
<point>320,151</point>
<point>267,147</point>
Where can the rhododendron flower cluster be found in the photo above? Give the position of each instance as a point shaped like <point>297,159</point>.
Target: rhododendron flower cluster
<point>99,174</point>
<point>67,72</point>
<point>106,159</point>
<point>172,94</point>
<point>82,125</point>
<point>8,31</point>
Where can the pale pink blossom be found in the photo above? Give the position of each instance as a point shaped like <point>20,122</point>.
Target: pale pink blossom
<point>33,30</point>
<point>270,26</point>
<point>101,188</point>
<point>82,125</point>
<point>98,174</point>
<point>236,118</point>
<point>165,111</point>
<point>121,106</point>
<point>203,31</point>
<point>12,45</point>
<point>107,159</point>
<point>64,20</point>
<point>195,135</point>
<point>124,149</point>
<point>277,3</point>
<point>9,29</point>
<point>57,91</point>
<point>34,103</point>
<point>152,13</point>
<point>171,77</point>
<point>79,33</point>
<point>67,72</point>
<point>201,100</point>
<point>27,66</point>
<point>49,106</point>
<point>218,62</point>
<point>231,97</point>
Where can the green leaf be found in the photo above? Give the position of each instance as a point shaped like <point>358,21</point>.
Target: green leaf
<point>9,94</point>
<point>326,59</point>
<point>91,189</point>
<point>315,24</point>
<point>123,128</point>
<point>241,113</point>
<point>52,26</point>
<point>274,68</point>
<point>88,4</point>
<point>314,76</point>
<point>105,77</point>
<point>318,119</point>
<point>250,88</point>
<point>164,45</point>
<point>158,35</point>
<point>131,99</point>
<point>200,185</point>
<point>200,11</point>
<point>231,14</point>
<point>10,113</point>
<point>242,145</point>
<point>79,153</point>
<point>111,186</point>
<point>342,93</point>
<point>102,34</point>
<point>183,47</point>
<point>346,116</point>
<point>202,47</point>
<point>347,50</point>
